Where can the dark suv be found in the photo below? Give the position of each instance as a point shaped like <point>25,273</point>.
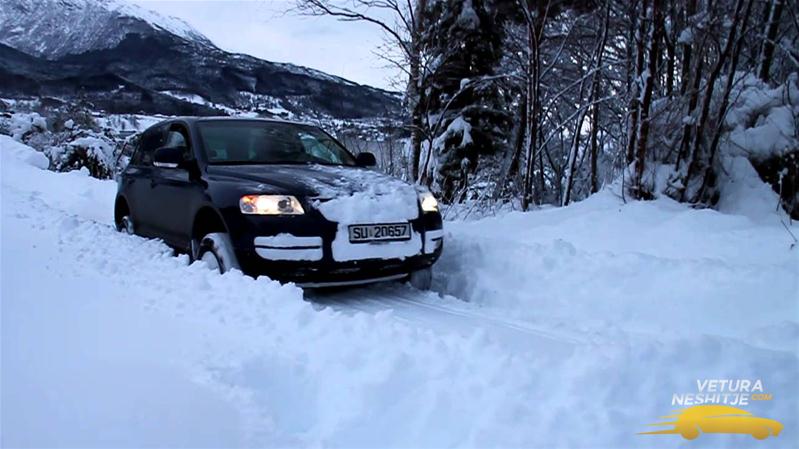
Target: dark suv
<point>277,198</point>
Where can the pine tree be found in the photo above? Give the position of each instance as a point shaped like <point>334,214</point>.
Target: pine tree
<point>467,110</point>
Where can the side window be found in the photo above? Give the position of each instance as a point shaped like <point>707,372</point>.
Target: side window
<point>150,141</point>
<point>178,136</point>
<point>175,138</point>
<point>135,158</point>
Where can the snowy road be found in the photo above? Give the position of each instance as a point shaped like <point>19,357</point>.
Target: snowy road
<point>445,314</point>
<point>538,334</point>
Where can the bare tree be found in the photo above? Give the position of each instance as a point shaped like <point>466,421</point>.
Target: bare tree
<point>535,16</point>
<point>401,21</point>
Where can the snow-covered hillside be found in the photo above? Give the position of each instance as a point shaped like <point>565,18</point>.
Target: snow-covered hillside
<point>569,327</point>
<point>46,28</point>
<point>138,61</point>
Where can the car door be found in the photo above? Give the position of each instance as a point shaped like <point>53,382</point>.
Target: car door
<point>138,176</point>
<point>175,191</point>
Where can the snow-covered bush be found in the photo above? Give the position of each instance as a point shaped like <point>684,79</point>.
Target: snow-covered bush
<point>764,125</point>
<point>95,152</point>
<point>760,124</point>
<point>21,125</point>
<point>69,136</point>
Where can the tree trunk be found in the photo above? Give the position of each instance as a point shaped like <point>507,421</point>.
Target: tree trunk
<point>415,91</point>
<point>671,52</point>
<point>594,139</point>
<point>772,28</point>
<point>573,152</point>
<point>534,24</point>
<point>685,83</point>
<point>639,191</point>
<point>540,191</point>
<point>518,141</point>
<point>635,92</point>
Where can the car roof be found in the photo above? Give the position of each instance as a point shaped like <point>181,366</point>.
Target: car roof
<point>192,120</point>
<point>196,119</point>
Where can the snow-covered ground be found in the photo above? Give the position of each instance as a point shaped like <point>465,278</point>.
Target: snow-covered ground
<point>568,327</point>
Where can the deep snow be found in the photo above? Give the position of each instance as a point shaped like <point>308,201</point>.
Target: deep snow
<point>569,327</point>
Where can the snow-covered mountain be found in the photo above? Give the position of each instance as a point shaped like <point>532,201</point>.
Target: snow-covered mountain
<point>55,28</point>
<point>123,58</point>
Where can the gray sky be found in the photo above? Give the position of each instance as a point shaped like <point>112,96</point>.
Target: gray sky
<point>264,29</point>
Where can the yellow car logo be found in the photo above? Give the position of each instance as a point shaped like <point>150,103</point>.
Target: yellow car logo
<point>717,419</point>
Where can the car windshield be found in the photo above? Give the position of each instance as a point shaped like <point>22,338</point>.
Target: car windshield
<point>258,142</point>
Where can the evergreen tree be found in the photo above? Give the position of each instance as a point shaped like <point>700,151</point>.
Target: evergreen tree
<point>467,110</point>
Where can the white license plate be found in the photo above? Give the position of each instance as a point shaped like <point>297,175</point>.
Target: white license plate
<point>389,232</point>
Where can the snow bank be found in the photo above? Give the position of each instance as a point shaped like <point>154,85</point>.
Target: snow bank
<point>125,345</point>
<point>663,292</point>
<point>663,266</point>
<point>742,192</point>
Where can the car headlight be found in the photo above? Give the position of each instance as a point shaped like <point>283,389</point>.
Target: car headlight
<point>428,202</point>
<point>270,205</point>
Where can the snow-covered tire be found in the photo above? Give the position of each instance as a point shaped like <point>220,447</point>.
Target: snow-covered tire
<point>421,279</point>
<point>125,225</point>
<point>216,251</point>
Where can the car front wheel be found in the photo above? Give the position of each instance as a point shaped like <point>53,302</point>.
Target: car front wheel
<point>216,251</point>
<point>125,225</point>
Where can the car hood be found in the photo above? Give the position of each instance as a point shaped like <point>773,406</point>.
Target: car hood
<point>341,194</point>
<point>316,181</point>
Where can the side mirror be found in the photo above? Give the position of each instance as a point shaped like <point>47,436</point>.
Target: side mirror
<point>169,157</point>
<point>365,159</point>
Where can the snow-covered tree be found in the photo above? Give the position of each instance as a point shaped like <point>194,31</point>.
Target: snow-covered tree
<point>466,107</point>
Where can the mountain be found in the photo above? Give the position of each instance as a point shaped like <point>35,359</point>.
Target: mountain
<point>54,28</point>
<point>123,58</point>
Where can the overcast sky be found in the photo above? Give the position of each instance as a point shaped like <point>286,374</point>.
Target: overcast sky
<point>264,28</point>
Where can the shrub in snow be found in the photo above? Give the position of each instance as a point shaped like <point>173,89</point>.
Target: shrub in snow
<point>760,125</point>
<point>764,126</point>
<point>93,152</point>
<point>70,137</point>
<point>21,125</point>
<point>71,118</point>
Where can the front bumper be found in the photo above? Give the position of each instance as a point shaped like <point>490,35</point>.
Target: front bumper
<point>307,250</point>
<point>332,273</point>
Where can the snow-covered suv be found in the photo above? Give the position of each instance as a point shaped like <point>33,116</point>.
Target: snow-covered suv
<point>277,198</point>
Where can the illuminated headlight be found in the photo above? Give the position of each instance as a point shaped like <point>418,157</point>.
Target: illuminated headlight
<point>270,205</point>
<point>428,202</point>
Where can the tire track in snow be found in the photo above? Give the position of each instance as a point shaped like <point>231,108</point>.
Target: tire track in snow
<point>444,313</point>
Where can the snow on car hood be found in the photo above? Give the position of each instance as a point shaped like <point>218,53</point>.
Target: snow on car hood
<point>363,196</point>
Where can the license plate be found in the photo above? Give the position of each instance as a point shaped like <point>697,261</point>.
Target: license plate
<point>389,232</point>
